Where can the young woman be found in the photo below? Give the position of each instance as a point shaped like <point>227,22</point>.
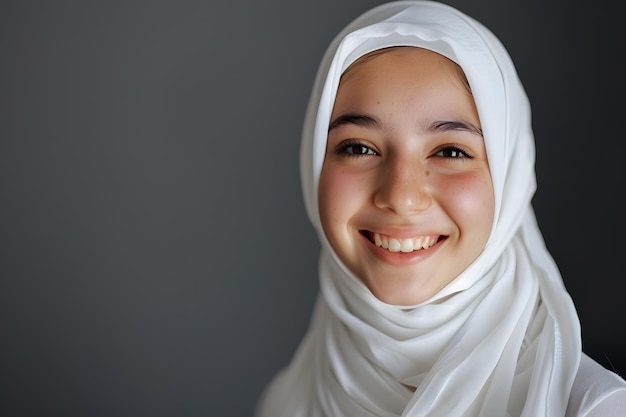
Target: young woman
<point>438,296</point>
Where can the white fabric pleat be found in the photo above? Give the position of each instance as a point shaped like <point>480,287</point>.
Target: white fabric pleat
<point>503,338</point>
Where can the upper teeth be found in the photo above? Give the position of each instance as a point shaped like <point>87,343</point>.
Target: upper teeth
<point>404,245</point>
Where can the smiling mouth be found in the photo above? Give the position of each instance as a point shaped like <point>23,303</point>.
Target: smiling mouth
<point>406,245</point>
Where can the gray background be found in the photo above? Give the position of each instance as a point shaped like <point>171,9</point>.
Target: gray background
<point>155,255</point>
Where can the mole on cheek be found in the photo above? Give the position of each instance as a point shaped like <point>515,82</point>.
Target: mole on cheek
<point>427,173</point>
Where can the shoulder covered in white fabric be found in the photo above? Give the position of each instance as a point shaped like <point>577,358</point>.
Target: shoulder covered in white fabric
<point>597,392</point>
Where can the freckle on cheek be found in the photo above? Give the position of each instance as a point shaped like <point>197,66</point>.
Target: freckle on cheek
<point>427,173</point>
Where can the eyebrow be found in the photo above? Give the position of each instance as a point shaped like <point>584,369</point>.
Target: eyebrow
<point>446,126</point>
<point>361,120</point>
<point>364,120</point>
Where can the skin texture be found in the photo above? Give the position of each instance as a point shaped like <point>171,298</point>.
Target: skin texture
<point>405,158</point>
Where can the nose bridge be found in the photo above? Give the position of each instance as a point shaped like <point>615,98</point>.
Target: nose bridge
<point>403,186</point>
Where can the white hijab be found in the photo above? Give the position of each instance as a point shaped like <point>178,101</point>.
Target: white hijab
<point>501,339</point>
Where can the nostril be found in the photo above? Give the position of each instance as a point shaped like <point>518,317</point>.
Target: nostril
<point>404,189</point>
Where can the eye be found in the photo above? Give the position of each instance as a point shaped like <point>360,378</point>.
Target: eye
<point>453,152</point>
<point>356,149</point>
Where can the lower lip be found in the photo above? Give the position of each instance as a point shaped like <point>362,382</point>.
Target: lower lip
<point>402,258</point>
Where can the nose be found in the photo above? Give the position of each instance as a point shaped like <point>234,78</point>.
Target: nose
<point>403,187</point>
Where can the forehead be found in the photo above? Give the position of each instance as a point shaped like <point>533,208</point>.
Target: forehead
<point>414,76</point>
<point>420,59</point>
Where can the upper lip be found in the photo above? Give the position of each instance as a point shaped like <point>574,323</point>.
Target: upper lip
<point>400,235</point>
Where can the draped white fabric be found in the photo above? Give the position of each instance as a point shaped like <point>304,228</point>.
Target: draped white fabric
<point>501,339</point>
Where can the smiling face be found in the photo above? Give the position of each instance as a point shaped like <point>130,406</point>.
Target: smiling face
<point>405,193</point>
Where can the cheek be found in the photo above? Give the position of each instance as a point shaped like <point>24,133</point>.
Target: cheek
<point>470,197</point>
<point>330,190</point>
<point>340,194</point>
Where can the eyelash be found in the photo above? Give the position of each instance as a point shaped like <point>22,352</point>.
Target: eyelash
<point>448,149</point>
<point>347,148</point>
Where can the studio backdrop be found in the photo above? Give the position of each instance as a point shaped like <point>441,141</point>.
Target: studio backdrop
<point>155,257</point>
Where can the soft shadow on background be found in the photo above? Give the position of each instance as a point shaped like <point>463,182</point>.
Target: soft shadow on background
<point>155,255</point>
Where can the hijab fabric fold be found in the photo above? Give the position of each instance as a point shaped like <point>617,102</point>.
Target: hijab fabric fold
<point>501,339</point>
